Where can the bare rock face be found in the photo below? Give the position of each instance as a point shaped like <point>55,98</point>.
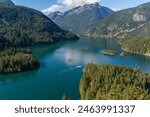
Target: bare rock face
<point>138,17</point>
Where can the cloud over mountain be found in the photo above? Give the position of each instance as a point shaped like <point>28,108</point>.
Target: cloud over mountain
<point>52,9</point>
<point>74,3</point>
<point>67,4</point>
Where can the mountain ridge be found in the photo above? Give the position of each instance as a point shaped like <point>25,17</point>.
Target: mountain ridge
<point>22,26</point>
<point>81,18</point>
<point>131,26</point>
<point>122,19</point>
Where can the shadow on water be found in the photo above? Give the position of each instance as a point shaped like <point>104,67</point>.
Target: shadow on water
<point>41,51</point>
<point>13,78</point>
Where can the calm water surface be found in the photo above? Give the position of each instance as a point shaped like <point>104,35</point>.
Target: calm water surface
<point>57,76</point>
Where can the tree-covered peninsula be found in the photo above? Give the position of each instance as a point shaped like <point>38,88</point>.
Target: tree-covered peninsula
<point>16,60</point>
<point>108,82</point>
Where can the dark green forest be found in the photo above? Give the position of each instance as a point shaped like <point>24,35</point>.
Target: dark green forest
<point>16,60</point>
<point>22,26</point>
<point>108,82</point>
<point>136,45</point>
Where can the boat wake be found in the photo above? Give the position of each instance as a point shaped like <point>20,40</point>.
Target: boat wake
<point>79,66</point>
<point>72,68</point>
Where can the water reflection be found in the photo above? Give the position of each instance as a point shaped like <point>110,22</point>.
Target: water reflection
<point>88,50</point>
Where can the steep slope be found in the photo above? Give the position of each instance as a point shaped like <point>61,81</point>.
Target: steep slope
<point>138,41</point>
<point>7,2</point>
<point>55,15</point>
<point>21,26</point>
<point>82,18</point>
<point>129,25</point>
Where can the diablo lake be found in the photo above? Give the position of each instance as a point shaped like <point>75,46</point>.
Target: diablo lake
<point>61,68</point>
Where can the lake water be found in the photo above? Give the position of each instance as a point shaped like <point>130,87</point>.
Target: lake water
<point>57,76</point>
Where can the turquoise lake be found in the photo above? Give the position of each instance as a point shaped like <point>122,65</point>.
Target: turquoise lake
<point>58,76</point>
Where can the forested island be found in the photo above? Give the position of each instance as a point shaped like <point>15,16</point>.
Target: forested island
<point>108,82</point>
<point>109,52</point>
<point>17,60</point>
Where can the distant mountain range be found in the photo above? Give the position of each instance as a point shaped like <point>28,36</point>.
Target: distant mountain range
<point>124,21</point>
<point>81,18</point>
<point>22,26</point>
<point>132,26</point>
<point>7,2</point>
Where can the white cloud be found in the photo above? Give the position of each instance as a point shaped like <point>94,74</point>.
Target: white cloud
<point>67,4</point>
<point>73,3</point>
<point>116,9</point>
<point>52,9</point>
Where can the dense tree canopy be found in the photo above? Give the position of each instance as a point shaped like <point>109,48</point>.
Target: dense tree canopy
<point>21,26</point>
<point>108,82</point>
<point>136,45</point>
<point>16,60</point>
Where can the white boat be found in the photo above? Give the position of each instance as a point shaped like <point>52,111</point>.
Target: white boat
<point>79,66</point>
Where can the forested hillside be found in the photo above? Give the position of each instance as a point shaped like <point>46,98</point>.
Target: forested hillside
<point>21,26</point>
<point>132,26</point>
<point>108,82</point>
<point>138,41</point>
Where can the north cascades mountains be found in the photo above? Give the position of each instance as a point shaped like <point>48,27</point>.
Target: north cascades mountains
<point>81,18</point>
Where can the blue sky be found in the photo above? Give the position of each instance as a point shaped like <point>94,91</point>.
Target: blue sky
<point>113,4</point>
